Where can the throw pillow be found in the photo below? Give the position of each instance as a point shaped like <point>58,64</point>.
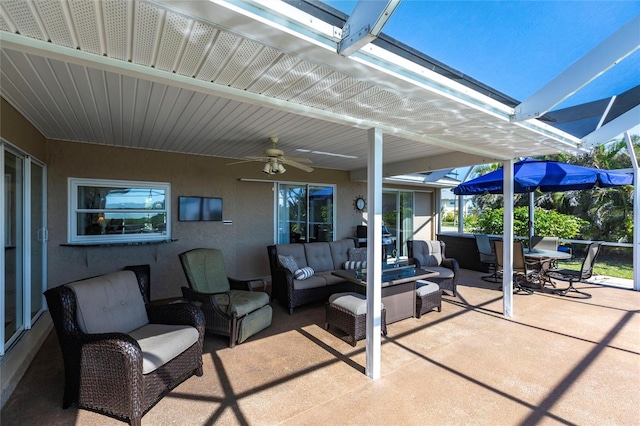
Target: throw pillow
<point>288,262</point>
<point>355,264</point>
<point>303,273</point>
<point>359,253</point>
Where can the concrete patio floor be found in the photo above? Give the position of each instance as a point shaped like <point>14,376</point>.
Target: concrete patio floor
<point>558,360</point>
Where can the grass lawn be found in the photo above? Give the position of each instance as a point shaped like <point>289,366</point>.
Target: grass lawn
<point>609,268</point>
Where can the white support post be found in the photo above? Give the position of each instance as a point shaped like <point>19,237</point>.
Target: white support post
<point>374,253</point>
<point>437,213</point>
<point>636,213</point>
<point>460,214</point>
<point>507,238</point>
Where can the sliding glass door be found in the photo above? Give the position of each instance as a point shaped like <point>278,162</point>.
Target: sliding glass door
<point>13,246</point>
<point>397,216</point>
<point>305,213</point>
<point>24,234</point>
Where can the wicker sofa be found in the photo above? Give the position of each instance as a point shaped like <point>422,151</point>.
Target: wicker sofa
<point>121,354</point>
<point>323,258</point>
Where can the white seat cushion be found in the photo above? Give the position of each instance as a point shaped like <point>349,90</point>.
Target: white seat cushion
<point>355,303</point>
<point>160,343</point>
<point>443,273</point>
<point>426,287</point>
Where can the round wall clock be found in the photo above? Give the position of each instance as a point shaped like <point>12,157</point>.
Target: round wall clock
<point>359,203</point>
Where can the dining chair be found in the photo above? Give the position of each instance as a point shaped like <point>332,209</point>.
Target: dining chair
<point>546,243</point>
<point>522,270</point>
<point>573,276</point>
<point>487,257</point>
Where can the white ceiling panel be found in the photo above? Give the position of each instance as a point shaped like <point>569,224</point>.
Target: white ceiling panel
<point>116,20</point>
<point>86,25</point>
<point>21,15</point>
<point>52,14</point>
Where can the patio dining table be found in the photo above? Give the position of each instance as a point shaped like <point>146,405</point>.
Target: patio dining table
<point>542,255</point>
<point>546,259</point>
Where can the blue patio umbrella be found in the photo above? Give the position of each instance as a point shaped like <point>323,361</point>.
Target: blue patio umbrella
<point>548,176</point>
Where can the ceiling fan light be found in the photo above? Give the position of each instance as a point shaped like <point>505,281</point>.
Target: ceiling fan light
<point>267,168</point>
<point>281,168</point>
<point>273,165</point>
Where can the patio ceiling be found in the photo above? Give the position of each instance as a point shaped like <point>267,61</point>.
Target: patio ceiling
<point>219,79</point>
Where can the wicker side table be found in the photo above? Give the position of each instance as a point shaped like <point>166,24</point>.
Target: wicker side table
<point>348,312</point>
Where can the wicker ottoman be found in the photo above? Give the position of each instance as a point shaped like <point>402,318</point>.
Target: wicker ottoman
<point>348,312</point>
<point>428,296</point>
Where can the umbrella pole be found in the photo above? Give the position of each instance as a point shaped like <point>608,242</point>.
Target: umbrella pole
<point>531,218</point>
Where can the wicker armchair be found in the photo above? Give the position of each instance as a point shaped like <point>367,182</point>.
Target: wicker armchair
<point>430,255</point>
<point>107,371</point>
<point>231,307</point>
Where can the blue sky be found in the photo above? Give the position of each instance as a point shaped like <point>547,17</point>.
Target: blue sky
<point>515,46</point>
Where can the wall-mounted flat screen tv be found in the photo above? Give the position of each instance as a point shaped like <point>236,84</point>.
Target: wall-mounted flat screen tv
<point>211,208</point>
<point>189,208</point>
<point>199,209</point>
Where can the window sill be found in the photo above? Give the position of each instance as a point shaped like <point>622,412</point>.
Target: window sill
<point>116,244</point>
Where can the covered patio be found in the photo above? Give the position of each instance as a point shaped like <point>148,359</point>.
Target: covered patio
<point>176,91</point>
<point>557,361</point>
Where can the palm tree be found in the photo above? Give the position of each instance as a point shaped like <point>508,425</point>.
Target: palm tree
<point>609,211</point>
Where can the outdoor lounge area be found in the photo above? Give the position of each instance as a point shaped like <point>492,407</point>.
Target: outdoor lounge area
<point>557,361</point>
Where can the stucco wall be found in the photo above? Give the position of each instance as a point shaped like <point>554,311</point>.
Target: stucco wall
<point>15,129</point>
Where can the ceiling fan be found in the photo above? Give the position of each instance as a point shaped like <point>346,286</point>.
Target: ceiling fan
<point>275,160</point>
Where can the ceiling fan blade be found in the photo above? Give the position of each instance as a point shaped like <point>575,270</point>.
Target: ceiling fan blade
<point>290,162</point>
<point>240,162</point>
<point>249,160</point>
<point>298,159</point>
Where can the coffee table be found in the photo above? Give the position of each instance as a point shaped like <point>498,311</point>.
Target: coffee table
<point>398,289</point>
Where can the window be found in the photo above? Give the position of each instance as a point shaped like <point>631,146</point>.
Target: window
<point>111,211</point>
<point>305,212</point>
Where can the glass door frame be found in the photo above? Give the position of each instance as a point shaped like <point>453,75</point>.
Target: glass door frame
<point>42,235</point>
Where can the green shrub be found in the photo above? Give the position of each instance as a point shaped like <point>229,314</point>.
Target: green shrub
<point>449,217</point>
<point>546,222</point>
